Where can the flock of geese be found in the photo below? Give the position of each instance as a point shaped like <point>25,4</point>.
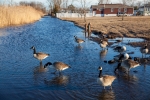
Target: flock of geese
<point>124,60</point>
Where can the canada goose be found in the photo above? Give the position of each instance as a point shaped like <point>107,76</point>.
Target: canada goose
<point>144,50</point>
<point>118,40</point>
<point>103,44</point>
<point>124,56</point>
<point>128,64</point>
<point>120,49</point>
<point>104,38</point>
<point>103,53</point>
<point>39,55</point>
<point>105,80</point>
<point>58,66</point>
<point>79,41</point>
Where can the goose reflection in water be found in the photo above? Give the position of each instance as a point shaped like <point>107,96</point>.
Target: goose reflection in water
<point>40,69</point>
<point>57,80</point>
<point>126,77</point>
<point>38,73</point>
<point>106,95</point>
<point>78,47</point>
<point>103,53</point>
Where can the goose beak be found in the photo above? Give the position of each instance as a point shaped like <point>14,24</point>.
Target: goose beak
<point>32,47</point>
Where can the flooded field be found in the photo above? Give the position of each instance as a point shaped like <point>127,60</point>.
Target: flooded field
<point>22,77</point>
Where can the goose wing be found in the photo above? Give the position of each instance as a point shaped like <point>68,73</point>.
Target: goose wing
<point>41,55</point>
<point>60,65</point>
<point>108,78</point>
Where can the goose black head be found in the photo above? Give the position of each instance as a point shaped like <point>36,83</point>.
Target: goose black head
<point>32,47</point>
<point>75,36</point>
<point>100,68</point>
<point>49,63</point>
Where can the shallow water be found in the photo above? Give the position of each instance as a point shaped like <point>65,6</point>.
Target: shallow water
<point>23,78</point>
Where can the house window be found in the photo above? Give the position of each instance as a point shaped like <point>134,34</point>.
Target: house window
<point>112,9</point>
<point>125,9</point>
<point>119,9</point>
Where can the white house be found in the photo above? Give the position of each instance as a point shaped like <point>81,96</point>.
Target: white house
<point>145,10</point>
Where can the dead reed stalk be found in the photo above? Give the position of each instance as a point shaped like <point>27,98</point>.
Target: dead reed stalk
<point>16,15</point>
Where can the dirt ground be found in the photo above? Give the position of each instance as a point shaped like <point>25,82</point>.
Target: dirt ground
<point>135,26</point>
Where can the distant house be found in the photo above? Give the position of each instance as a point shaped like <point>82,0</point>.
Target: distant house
<point>145,12</point>
<point>111,9</point>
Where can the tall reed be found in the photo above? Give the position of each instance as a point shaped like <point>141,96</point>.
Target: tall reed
<point>16,15</point>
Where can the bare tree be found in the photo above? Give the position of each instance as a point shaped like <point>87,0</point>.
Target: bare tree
<point>139,3</point>
<point>103,1</point>
<point>84,6</point>
<point>55,5</point>
<point>124,4</point>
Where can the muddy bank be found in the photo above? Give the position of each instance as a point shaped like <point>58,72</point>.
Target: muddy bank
<point>112,27</point>
<point>129,27</point>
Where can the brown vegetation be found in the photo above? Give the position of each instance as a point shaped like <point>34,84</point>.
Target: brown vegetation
<point>135,26</point>
<point>16,15</point>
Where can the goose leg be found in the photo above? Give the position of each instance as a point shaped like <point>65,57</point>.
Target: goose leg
<point>110,87</point>
<point>128,70</point>
<point>142,55</point>
<point>40,61</point>
<point>54,72</point>
<point>59,72</point>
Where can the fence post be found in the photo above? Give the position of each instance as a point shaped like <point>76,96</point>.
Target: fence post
<point>85,29</point>
<point>89,29</point>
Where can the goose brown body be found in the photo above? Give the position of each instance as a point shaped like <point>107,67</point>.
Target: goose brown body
<point>58,66</point>
<point>144,50</point>
<point>79,41</point>
<point>103,44</point>
<point>130,64</point>
<point>105,80</point>
<point>40,56</point>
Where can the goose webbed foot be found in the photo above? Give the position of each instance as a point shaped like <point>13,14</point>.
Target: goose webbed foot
<point>110,87</point>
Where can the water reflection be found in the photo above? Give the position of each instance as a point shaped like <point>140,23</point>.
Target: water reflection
<point>39,73</point>
<point>40,69</point>
<point>127,77</point>
<point>57,80</point>
<point>78,47</point>
<point>106,95</point>
<point>103,53</point>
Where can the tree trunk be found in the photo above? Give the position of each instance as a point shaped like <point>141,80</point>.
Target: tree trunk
<point>122,17</point>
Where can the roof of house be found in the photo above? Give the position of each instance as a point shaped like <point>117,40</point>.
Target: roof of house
<point>146,5</point>
<point>110,6</point>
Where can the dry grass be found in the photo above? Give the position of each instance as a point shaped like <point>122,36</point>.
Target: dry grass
<point>135,26</point>
<point>16,15</point>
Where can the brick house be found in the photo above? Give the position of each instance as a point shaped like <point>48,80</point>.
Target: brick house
<point>111,9</point>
